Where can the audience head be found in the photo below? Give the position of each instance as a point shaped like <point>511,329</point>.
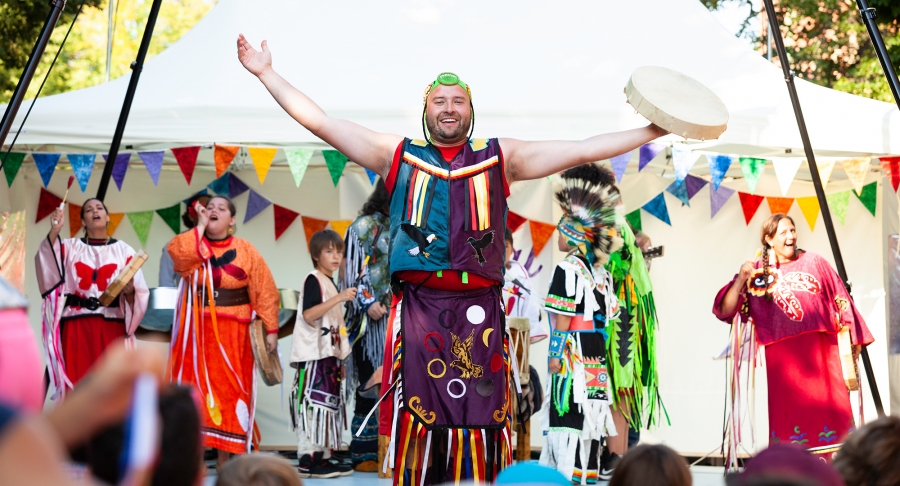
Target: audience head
<point>379,201</point>
<point>326,248</point>
<point>189,218</point>
<point>508,238</point>
<point>651,464</point>
<point>258,470</point>
<point>789,465</point>
<point>871,455</point>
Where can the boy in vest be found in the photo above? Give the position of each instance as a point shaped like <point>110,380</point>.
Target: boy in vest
<point>318,347</point>
<point>447,368</point>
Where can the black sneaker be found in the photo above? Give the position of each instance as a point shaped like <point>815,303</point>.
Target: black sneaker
<point>608,463</point>
<point>343,469</point>
<point>314,466</point>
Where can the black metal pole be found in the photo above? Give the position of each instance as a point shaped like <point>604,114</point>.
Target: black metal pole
<point>775,32</point>
<point>136,67</point>
<point>868,15</point>
<point>9,117</point>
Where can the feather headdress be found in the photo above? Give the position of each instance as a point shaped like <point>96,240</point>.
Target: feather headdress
<point>593,211</point>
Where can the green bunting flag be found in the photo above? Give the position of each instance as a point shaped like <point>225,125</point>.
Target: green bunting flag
<point>838,203</point>
<point>752,169</point>
<point>868,196</point>
<point>336,162</point>
<point>298,161</point>
<point>140,221</point>
<point>11,167</point>
<point>172,217</point>
<point>634,219</point>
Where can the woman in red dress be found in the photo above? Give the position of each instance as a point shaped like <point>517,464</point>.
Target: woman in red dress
<point>805,318</point>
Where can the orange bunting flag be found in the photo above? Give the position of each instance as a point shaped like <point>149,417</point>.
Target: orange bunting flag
<point>340,226</point>
<point>224,155</point>
<point>749,204</point>
<point>114,220</point>
<point>262,159</point>
<point>284,217</point>
<point>810,207</point>
<point>780,204</point>
<point>312,226</point>
<point>540,234</point>
<point>74,219</point>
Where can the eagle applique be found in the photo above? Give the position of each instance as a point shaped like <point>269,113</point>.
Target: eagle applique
<point>419,237</point>
<point>463,352</point>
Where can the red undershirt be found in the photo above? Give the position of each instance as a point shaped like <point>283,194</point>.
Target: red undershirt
<point>448,279</point>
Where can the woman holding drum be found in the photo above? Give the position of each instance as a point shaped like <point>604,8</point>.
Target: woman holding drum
<point>225,282</point>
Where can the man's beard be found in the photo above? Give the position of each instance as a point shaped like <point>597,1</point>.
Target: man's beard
<point>440,134</point>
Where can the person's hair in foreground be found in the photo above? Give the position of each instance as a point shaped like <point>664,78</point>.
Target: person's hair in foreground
<point>871,455</point>
<point>259,469</point>
<point>651,464</point>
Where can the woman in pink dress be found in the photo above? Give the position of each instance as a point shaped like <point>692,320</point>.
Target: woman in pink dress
<point>801,311</point>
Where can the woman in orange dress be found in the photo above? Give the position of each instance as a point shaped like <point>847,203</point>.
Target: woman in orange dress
<point>225,284</point>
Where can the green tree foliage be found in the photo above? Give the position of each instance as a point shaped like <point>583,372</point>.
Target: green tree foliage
<point>828,44</point>
<point>82,62</point>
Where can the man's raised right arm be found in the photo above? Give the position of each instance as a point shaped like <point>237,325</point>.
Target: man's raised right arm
<point>367,148</point>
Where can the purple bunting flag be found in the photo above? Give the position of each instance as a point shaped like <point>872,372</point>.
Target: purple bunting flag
<point>220,185</point>
<point>82,166</point>
<point>255,205</point>
<point>657,207</point>
<point>619,164</point>
<point>648,152</point>
<point>372,176</point>
<point>693,184</point>
<point>120,166</point>
<point>153,161</point>
<point>236,187</point>
<point>717,198</point>
<point>718,167</point>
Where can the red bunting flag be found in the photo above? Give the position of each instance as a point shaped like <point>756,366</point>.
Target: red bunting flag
<point>284,217</point>
<point>749,203</point>
<point>224,155</point>
<point>74,219</point>
<point>187,160</point>
<point>47,203</point>
<point>312,226</point>
<point>891,168</point>
<point>780,204</point>
<point>540,234</point>
<point>514,221</point>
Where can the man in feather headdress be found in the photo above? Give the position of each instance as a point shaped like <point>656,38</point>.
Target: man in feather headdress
<point>448,215</point>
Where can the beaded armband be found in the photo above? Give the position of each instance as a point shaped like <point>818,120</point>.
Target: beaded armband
<point>557,343</point>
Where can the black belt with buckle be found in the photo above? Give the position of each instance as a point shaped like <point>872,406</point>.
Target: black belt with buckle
<point>89,303</point>
<point>228,297</point>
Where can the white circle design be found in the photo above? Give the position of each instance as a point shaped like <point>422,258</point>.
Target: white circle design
<point>475,314</point>
<point>461,383</point>
<point>243,415</point>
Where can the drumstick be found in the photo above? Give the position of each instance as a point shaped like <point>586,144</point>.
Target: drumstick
<point>62,205</point>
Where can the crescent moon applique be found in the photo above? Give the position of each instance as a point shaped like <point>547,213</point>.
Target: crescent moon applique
<point>486,336</point>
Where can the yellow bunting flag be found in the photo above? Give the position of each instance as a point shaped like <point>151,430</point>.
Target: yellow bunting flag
<point>810,208</point>
<point>262,160</point>
<point>780,204</point>
<point>825,169</point>
<point>224,154</point>
<point>340,226</point>
<point>114,220</point>
<point>856,170</point>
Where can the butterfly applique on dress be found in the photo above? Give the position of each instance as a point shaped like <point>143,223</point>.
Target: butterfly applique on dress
<point>782,288</point>
<point>89,276</point>
<point>224,264</point>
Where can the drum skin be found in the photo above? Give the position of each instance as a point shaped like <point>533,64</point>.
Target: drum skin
<point>268,363</point>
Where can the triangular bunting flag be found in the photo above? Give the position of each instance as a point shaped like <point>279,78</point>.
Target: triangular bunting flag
<point>657,207</point>
<point>514,221</point>
<point>619,164</point>
<point>312,226</point>
<point>283,218</point>
<point>683,160</point>
<point>693,184</point>
<point>647,153</point>
<point>236,187</point>
<point>838,203</point>
<point>718,198</point>
<point>785,170</point>
<point>856,170</point>
<point>153,162</point>
<point>82,166</point>
<point>187,160</point>
<point>749,203</point>
<point>74,219</point>
<point>340,226</point>
<point>262,160</point>
<point>810,207</point>
<point>890,166</point>
<point>679,190</point>
<point>47,203</point>
<point>255,205</point>
<point>718,167</point>
<point>752,169</point>
<point>780,204</point>
<point>224,154</point>
<point>540,234</point>
<point>868,196</point>
<point>11,166</point>
<point>372,176</point>
<point>298,161</point>
<point>46,164</point>
<point>825,169</point>
<point>172,216</point>
<point>220,186</point>
<point>634,219</point>
<point>336,162</point>
<point>120,167</point>
<point>114,220</point>
<point>140,221</point>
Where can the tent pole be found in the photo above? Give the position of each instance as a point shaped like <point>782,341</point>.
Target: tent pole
<point>817,182</point>
<point>868,15</point>
<point>56,8</point>
<point>136,67</point>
